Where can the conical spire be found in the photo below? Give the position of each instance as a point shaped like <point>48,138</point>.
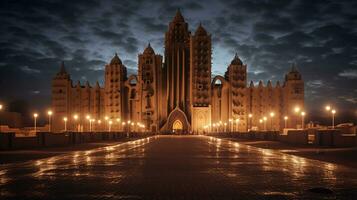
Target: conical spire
<point>97,85</point>
<point>236,60</point>
<point>62,68</point>
<point>178,17</point>
<point>149,50</point>
<point>87,84</point>
<point>200,30</point>
<point>269,83</point>
<point>251,84</point>
<point>293,67</point>
<point>115,60</point>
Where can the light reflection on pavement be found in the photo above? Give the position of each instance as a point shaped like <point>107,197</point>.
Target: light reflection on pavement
<point>176,167</point>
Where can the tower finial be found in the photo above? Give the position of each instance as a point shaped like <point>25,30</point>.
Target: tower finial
<point>62,68</point>
<point>178,16</point>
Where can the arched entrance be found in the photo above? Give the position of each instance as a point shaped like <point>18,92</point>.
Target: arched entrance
<point>177,123</point>
<point>177,126</point>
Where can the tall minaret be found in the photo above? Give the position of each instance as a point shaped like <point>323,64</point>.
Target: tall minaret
<point>115,75</point>
<point>177,64</point>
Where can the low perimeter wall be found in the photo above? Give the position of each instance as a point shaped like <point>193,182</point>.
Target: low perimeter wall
<point>45,139</point>
<point>254,135</point>
<point>317,137</point>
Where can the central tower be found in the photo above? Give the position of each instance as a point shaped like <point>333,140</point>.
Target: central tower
<point>177,65</point>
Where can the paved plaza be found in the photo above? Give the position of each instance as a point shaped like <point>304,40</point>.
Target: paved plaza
<point>177,167</point>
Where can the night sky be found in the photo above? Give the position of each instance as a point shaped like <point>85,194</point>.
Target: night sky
<point>319,36</point>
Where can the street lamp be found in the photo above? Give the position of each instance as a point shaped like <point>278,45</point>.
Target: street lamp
<point>237,120</point>
<point>328,108</point>
<point>286,121</point>
<point>49,119</point>
<point>0,119</point>
<point>89,121</point>
<point>265,123</point>
<point>272,114</point>
<point>230,125</point>
<point>65,123</point>
<point>333,118</point>
<point>133,127</point>
<point>118,121</point>
<point>250,116</point>
<point>297,110</point>
<point>75,117</point>
<point>99,122</point>
<point>260,122</point>
<point>110,125</point>
<point>302,119</point>
<point>225,127</point>
<point>35,115</point>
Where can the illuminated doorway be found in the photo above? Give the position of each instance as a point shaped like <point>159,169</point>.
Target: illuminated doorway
<point>177,125</point>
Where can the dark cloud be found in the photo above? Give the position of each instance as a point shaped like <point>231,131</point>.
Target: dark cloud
<point>320,36</point>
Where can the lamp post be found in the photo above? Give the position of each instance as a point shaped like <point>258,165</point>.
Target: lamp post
<point>65,123</point>
<point>0,119</point>
<point>272,114</point>
<point>88,119</point>
<point>75,117</point>
<point>49,113</point>
<point>296,110</point>
<point>225,127</point>
<point>35,115</point>
<point>302,119</point>
<point>230,125</point>
<point>118,121</point>
<point>333,111</point>
<point>265,123</point>
<point>110,125</point>
<point>286,121</point>
<point>260,122</point>
<point>333,118</point>
<point>99,122</point>
<point>133,126</point>
<point>237,120</point>
<point>250,116</point>
<point>123,125</point>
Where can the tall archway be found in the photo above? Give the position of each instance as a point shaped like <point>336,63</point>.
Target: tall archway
<point>177,122</point>
<point>177,125</point>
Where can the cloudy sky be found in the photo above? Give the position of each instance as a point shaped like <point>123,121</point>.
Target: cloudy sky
<point>320,36</point>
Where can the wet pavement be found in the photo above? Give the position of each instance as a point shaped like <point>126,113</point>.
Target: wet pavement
<point>177,167</point>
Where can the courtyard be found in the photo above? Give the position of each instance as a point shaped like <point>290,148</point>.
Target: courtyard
<point>177,167</point>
